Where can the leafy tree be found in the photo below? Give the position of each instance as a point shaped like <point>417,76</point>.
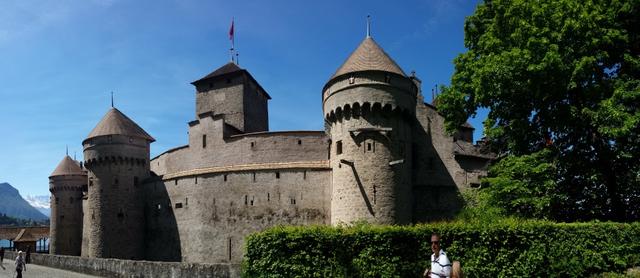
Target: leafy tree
<point>563,75</point>
<point>524,185</point>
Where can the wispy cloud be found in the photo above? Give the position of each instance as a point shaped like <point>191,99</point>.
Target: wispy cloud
<point>441,10</point>
<point>19,19</point>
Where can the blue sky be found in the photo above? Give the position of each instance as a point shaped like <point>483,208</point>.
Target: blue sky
<point>59,61</point>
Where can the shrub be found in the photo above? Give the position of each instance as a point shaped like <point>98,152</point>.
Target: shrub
<point>508,248</point>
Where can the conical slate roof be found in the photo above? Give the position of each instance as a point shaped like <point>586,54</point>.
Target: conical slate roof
<point>368,56</point>
<point>67,167</point>
<point>116,123</point>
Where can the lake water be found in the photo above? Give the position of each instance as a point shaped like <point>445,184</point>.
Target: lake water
<point>5,243</point>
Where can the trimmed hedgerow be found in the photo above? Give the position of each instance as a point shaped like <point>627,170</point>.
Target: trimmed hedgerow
<point>508,248</point>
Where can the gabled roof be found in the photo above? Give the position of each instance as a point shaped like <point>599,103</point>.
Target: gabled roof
<point>226,69</point>
<point>68,167</point>
<point>368,56</point>
<point>116,123</point>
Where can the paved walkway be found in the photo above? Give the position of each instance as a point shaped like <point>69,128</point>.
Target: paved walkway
<point>34,270</point>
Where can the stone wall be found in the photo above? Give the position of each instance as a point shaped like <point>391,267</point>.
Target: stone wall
<point>117,166</point>
<point>240,149</point>
<point>129,268</point>
<point>438,176</point>
<point>66,214</point>
<point>205,217</point>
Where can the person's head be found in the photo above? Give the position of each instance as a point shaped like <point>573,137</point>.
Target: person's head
<point>19,253</point>
<point>435,243</point>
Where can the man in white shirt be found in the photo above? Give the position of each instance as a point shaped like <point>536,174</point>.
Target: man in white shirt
<point>440,264</point>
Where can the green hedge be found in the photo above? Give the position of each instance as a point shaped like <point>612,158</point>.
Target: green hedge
<point>504,249</point>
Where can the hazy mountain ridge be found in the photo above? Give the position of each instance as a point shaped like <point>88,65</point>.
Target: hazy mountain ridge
<point>41,203</point>
<point>12,204</point>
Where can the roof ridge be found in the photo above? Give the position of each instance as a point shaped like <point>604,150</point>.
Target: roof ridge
<point>368,56</point>
<point>67,166</point>
<point>115,122</point>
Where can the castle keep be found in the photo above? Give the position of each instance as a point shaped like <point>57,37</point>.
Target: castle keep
<point>383,157</point>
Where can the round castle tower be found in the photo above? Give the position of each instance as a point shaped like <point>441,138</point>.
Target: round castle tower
<point>116,154</point>
<point>66,184</point>
<point>369,104</point>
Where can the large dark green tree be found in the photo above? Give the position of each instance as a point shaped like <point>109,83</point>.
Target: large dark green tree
<point>560,75</point>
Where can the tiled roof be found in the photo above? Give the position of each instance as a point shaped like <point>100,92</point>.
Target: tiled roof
<point>67,167</point>
<point>25,235</point>
<point>116,123</point>
<point>368,56</point>
<point>464,148</point>
<point>228,68</point>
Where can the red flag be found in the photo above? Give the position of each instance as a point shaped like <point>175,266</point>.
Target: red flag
<point>231,31</point>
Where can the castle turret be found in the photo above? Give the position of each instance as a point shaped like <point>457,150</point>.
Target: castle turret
<point>116,154</point>
<point>66,184</point>
<point>233,93</point>
<point>369,105</point>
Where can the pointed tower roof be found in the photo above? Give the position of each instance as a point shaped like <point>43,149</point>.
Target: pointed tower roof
<point>67,167</point>
<point>227,68</point>
<point>116,123</point>
<point>368,56</point>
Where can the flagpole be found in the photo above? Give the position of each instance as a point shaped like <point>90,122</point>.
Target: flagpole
<point>233,39</point>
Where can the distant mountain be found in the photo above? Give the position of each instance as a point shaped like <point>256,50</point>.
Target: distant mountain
<point>12,204</point>
<point>41,203</point>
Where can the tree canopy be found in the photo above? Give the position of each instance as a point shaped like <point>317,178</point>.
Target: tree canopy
<point>560,76</point>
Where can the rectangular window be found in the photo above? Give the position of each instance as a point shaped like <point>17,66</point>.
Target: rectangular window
<point>339,147</point>
<point>195,180</point>
<point>225,177</point>
<point>178,205</point>
<point>369,147</point>
<point>175,182</point>
<point>116,182</point>
<point>254,177</point>
<point>204,141</point>
<point>277,175</point>
<point>135,181</point>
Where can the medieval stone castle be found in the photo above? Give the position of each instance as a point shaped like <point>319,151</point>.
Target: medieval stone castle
<point>383,157</point>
